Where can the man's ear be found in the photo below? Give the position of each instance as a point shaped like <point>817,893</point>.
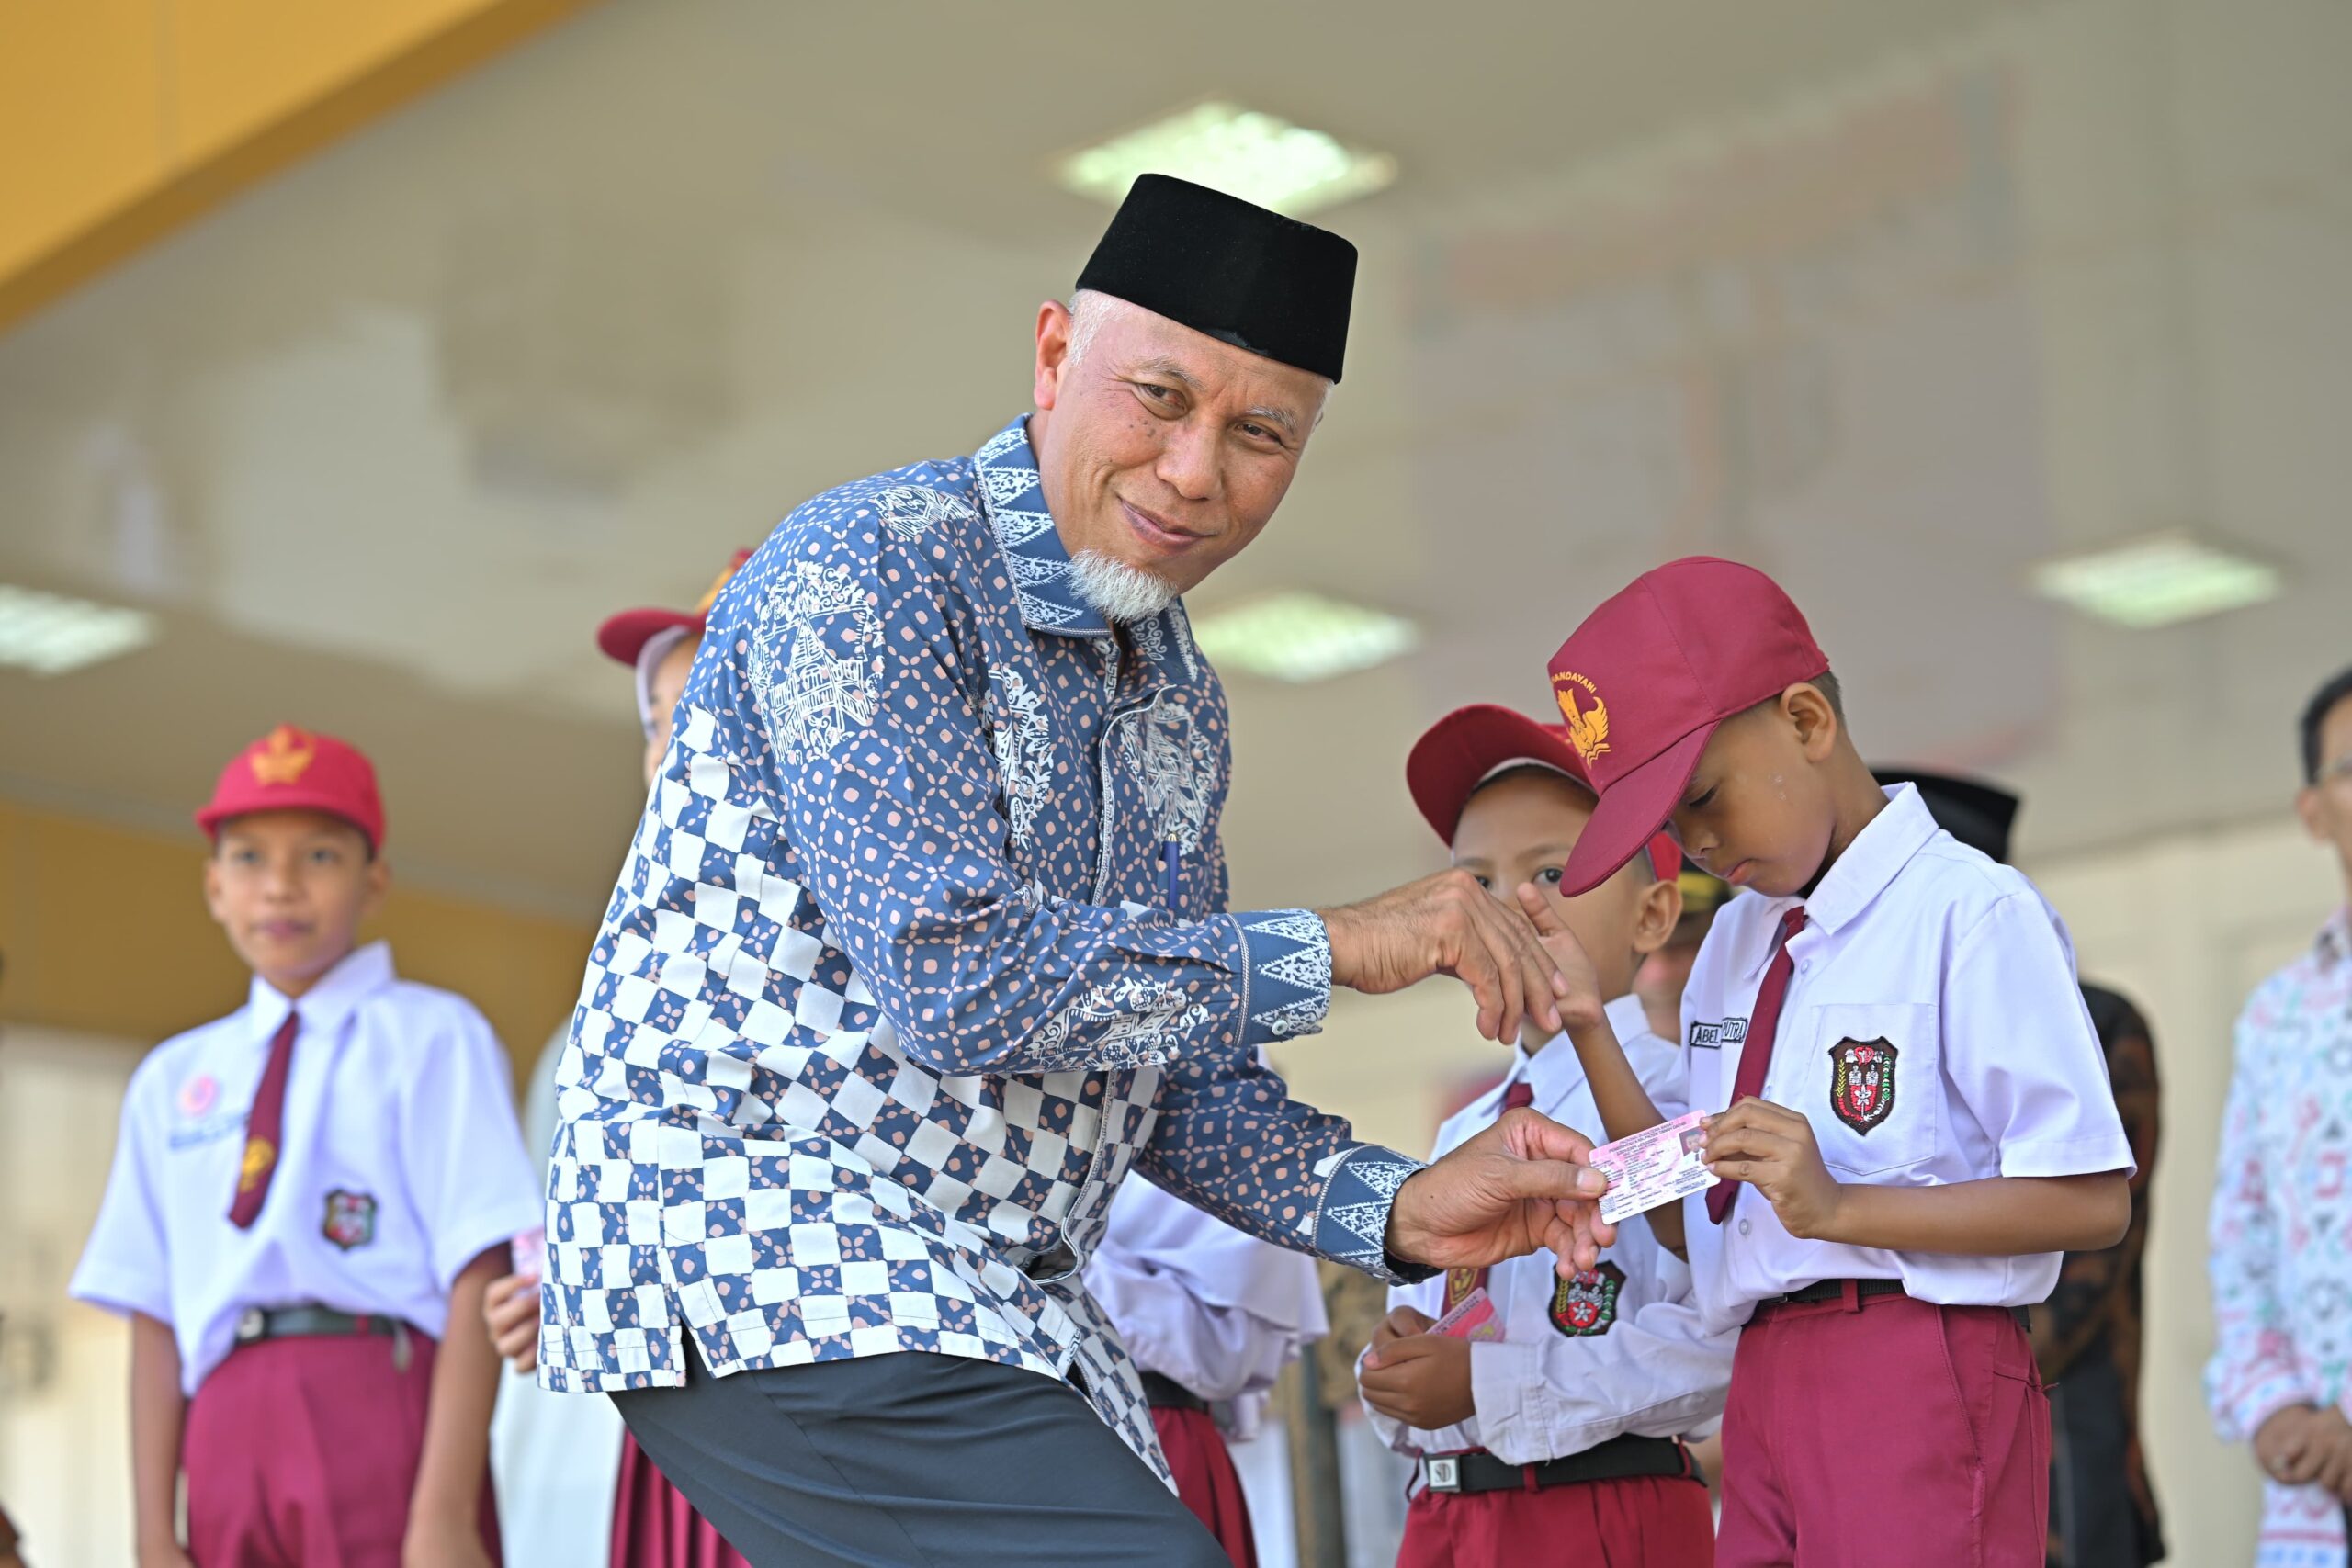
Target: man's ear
<point>1816,720</point>
<point>1053,352</point>
<point>1655,915</point>
<point>2314,811</point>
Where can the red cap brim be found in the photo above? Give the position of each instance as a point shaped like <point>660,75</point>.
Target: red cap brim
<point>1458,752</point>
<point>1632,811</point>
<point>624,637</point>
<point>326,803</point>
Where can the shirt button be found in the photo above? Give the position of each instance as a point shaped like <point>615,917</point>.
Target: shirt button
<point>1743,1227</point>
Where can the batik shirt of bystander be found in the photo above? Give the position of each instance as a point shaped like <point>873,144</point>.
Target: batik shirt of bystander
<point>877,1021</point>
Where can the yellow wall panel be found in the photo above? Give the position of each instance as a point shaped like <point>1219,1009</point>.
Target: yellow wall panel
<point>81,117</point>
<point>242,64</point>
<point>105,930</point>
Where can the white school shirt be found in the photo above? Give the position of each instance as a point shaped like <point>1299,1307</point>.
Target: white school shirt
<point>1955,968</point>
<point>1219,1312</point>
<point>400,1163</point>
<point>1618,1350</point>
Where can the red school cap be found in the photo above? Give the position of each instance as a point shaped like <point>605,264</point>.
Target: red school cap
<point>1471,745</point>
<point>624,636</point>
<point>292,769</point>
<point>1646,678</point>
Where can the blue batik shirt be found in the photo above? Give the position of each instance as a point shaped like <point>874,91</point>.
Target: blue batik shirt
<point>892,993</point>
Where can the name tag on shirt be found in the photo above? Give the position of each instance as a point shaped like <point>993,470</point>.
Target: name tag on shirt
<point>1715,1036</point>
<point>206,1129</point>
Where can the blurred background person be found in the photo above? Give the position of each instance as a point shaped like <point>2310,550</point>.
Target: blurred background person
<point>2281,1243</point>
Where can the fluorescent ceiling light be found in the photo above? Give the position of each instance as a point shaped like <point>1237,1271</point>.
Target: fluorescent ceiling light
<point>2156,581</point>
<point>1302,636</point>
<point>49,634</point>
<point>1258,157</point>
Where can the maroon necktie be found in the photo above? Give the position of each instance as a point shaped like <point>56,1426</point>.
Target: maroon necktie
<point>262,1123</point>
<point>1521,1093</point>
<point>1755,1052</point>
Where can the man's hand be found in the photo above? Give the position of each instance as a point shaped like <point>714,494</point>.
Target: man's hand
<point>1581,1003</point>
<point>1447,924</point>
<point>164,1554</point>
<point>2330,1441</point>
<point>2283,1445</point>
<point>510,1309</point>
<point>1520,1185</point>
<point>1422,1380</point>
<point>1771,1148</point>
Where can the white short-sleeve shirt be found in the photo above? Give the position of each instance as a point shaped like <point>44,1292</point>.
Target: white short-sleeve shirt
<point>400,1163</point>
<point>1616,1351</point>
<point>1933,1033</point>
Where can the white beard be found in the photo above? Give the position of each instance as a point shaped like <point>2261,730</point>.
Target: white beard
<point>1121,594</point>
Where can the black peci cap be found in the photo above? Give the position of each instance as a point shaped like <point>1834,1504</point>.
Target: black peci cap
<point>1978,814</point>
<point>1218,264</point>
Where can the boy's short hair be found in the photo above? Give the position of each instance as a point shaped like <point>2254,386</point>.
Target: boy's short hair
<point>2315,714</point>
<point>1646,869</point>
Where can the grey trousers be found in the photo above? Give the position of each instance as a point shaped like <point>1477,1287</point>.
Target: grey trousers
<point>911,1460</point>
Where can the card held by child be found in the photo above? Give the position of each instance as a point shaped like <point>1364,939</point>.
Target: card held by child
<point>1655,1166</point>
<point>1473,1318</point>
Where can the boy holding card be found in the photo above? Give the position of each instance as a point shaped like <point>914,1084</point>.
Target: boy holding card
<point>1550,1409</point>
<point>1898,1061</point>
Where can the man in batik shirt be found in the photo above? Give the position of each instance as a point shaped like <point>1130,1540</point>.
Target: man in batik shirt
<point>2281,1230</point>
<point>922,944</point>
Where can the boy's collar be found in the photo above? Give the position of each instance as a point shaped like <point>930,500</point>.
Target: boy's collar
<point>356,977</point>
<point>1883,848</point>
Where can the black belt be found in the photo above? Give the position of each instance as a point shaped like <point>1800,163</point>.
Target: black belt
<point>1166,1394</point>
<point>287,1322</point>
<point>1616,1460</point>
<point>1835,1291</point>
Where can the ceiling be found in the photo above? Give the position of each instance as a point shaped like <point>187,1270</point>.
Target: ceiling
<point>1892,296</point>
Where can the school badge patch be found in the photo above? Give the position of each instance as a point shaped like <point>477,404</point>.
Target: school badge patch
<point>1861,1082</point>
<point>1585,1304</point>
<point>1459,1283</point>
<point>351,1219</point>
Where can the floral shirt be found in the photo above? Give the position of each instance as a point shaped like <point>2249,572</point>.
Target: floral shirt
<point>2282,1229</point>
<point>920,946</point>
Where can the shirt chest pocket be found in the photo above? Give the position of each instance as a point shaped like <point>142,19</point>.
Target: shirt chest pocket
<point>1872,1084</point>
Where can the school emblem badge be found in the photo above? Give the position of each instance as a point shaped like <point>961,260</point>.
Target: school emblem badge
<point>351,1219</point>
<point>1861,1082</point>
<point>1588,728</point>
<point>1585,1304</point>
<point>1459,1283</point>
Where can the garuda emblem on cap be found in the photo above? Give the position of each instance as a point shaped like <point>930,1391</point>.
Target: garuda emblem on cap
<point>1588,728</point>
<point>283,754</point>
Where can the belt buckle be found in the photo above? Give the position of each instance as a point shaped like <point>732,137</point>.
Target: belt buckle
<point>249,1324</point>
<point>1441,1472</point>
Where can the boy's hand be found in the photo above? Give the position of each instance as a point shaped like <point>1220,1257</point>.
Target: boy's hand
<point>164,1554</point>
<point>510,1309</point>
<point>1771,1148</point>
<point>1422,1380</point>
<point>1581,1003</point>
<point>1402,1323</point>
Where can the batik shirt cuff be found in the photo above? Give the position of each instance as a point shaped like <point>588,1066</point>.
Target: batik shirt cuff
<point>1288,985</point>
<point>1349,1223</point>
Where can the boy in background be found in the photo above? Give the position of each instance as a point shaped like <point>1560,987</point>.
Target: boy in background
<point>1567,1426</point>
<point>305,1195</point>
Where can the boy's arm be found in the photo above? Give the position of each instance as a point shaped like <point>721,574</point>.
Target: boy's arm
<point>158,1412</point>
<point>445,1509</point>
<point>1625,1106</point>
<point>1772,1148</point>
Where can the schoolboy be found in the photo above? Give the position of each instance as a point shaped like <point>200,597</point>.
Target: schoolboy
<point>1568,1429</point>
<point>1889,1035</point>
<point>304,1195</point>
